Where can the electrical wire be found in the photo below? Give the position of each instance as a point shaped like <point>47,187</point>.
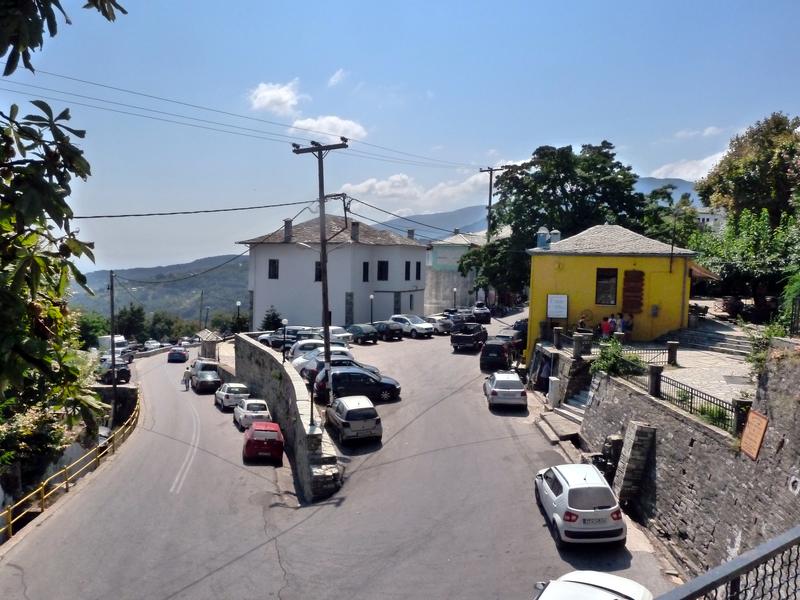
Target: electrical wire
<point>190,212</point>
<point>431,227</point>
<point>420,237</point>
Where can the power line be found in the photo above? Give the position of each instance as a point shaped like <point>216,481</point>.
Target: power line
<point>190,212</point>
<point>432,227</point>
<point>241,116</point>
<point>421,237</point>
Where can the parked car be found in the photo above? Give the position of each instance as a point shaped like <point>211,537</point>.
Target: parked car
<point>591,584</point>
<point>389,330</point>
<point>363,332</point>
<point>263,439</point>
<point>481,312</point>
<point>513,337</point>
<point>151,345</point>
<point>353,417</point>
<point>310,358</point>
<point>579,505</point>
<point>496,354</point>
<point>278,337</point>
<point>337,333</point>
<point>230,394</point>
<point>206,381</point>
<point>471,335</point>
<point>264,338</point>
<point>522,326</point>
<point>201,364</point>
<point>441,324</point>
<point>249,410</point>
<point>177,354</point>
<point>301,347</point>
<point>104,373</point>
<point>354,381</point>
<point>311,372</point>
<point>413,325</point>
<point>505,387</point>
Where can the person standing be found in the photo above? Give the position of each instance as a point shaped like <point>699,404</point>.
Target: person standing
<point>187,378</point>
<point>605,328</point>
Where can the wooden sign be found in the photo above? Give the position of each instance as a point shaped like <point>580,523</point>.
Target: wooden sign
<point>753,435</point>
<point>556,306</point>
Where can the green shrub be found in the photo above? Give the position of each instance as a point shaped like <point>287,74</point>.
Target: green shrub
<point>715,415</point>
<point>760,339</point>
<point>613,361</point>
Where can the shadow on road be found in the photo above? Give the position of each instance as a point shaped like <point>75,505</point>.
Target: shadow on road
<point>597,557</point>
<point>509,411</point>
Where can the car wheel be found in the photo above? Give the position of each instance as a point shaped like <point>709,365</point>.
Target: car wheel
<point>414,334</point>
<point>620,543</point>
<point>560,544</point>
<point>386,395</point>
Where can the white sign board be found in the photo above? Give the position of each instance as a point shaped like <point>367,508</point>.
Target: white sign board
<point>556,306</point>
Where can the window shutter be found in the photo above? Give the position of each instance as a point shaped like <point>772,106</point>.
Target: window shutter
<point>633,292</point>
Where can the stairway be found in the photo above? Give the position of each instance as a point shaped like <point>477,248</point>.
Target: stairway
<point>714,341</point>
<point>575,407</point>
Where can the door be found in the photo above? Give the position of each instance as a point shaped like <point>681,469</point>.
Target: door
<point>397,306</point>
<point>348,308</point>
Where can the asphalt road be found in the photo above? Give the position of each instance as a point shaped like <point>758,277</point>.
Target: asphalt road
<point>443,508</point>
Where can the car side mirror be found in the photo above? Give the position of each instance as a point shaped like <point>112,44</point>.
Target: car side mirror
<point>540,585</point>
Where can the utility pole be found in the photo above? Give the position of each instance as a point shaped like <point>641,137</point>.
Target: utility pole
<point>490,171</point>
<point>200,320</point>
<point>113,351</point>
<point>321,152</point>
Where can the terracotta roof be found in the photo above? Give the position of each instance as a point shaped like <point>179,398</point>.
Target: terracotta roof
<point>308,233</point>
<point>473,239</point>
<point>605,240</point>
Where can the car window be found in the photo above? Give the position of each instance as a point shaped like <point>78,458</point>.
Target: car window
<point>508,384</point>
<point>256,406</point>
<point>361,414</point>
<point>265,435</point>
<point>415,320</point>
<point>237,389</point>
<point>591,498</point>
<point>241,404</point>
<point>208,367</point>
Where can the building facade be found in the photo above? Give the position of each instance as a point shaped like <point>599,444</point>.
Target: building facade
<point>362,262</point>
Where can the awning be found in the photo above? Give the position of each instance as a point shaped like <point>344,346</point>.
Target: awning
<point>700,272</point>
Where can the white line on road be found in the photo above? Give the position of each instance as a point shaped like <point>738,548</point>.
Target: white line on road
<point>180,477</point>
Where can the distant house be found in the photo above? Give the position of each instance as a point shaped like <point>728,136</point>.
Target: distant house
<point>713,219</point>
<point>443,275</point>
<point>609,269</point>
<point>362,261</point>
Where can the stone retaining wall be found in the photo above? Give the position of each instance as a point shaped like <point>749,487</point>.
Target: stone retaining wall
<point>315,462</point>
<point>705,498</point>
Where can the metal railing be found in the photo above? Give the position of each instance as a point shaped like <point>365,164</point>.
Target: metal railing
<point>769,572</point>
<point>39,499</point>
<point>712,409</point>
<point>639,379</point>
<point>652,355</point>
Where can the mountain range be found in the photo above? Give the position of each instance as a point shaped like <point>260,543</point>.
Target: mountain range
<point>218,282</point>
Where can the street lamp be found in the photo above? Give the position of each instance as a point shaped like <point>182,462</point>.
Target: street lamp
<point>205,324</point>
<point>454,297</point>
<point>284,322</point>
<point>371,298</point>
<point>238,306</point>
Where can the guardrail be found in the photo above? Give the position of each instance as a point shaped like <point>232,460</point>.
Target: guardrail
<point>36,502</point>
<point>716,411</point>
<point>769,571</point>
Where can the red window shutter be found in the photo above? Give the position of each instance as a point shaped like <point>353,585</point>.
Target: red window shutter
<point>633,292</point>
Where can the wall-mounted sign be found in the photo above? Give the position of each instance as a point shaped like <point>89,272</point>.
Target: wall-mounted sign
<point>753,434</point>
<point>556,306</point>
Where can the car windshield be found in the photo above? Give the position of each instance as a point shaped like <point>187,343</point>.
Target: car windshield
<point>415,319</point>
<point>361,414</point>
<point>508,384</point>
<point>591,498</point>
<point>256,406</point>
<point>492,350</point>
<point>480,305</point>
<point>208,367</point>
<point>207,375</point>
<point>265,435</point>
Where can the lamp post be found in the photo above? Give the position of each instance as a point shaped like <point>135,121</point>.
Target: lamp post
<point>238,306</point>
<point>205,324</point>
<point>454,297</point>
<point>284,322</point>
<point>371,298</point>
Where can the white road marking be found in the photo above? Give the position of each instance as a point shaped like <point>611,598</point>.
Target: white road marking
<point>180,477</point>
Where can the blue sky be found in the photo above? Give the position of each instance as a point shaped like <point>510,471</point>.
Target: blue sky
<point>469,83</point>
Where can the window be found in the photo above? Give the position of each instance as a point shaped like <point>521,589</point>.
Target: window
<point>273,268</point>
<point>383,270</point>
<point>408,270</point>
<point>411,302</point>
<point>365,271</point>
<point>317,271</point>
<point>419,270</point>
<point>606,289</point>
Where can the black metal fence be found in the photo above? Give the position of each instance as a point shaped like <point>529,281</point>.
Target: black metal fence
<point>710,408</point>
<point>794,321</point>
<point>769,572</point>
<point>652,355</point>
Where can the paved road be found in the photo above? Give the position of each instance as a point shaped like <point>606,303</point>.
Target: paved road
<point>442,509</point>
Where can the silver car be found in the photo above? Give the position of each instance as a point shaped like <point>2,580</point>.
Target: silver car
<point>249,410</point>
<point>353,417</point>
<point>505,387</point>
<point>441,324</point>
<point>230,394</point>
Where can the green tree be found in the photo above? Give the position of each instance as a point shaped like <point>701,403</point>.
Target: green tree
<point>162,325</point>
<point>758,171</point>
<point>91,325</point>
<point>131,322</point>
<point>271,320</point>
<point>669,221</point>
<point>497,264</point>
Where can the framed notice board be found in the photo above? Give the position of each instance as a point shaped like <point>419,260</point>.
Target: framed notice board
<point>556,306</point>
<point>753,435</point>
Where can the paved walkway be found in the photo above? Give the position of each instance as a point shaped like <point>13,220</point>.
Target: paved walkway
<point>715,373</point>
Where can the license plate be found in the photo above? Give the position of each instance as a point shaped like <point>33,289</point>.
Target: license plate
<point>265,453</point>
<point>593,521</point>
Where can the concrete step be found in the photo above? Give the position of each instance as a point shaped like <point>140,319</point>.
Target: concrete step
<point>576,409</point>
<point>567,413</point>
<point>547,431</point>
<point>579,399</point>
<point>723,350</point>
<point>564,428</point>
<point>734,344</point>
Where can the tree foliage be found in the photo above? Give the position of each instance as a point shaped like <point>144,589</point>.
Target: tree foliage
<point>131,322</point>
<point>760,170</point>
<point>272,319</point>
<point>91,325</point>
<point>668,221</point>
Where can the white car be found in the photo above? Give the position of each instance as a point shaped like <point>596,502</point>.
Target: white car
<point>151,345</point>
<point>306,346</point>
<point>482,313</point>
<point>441,324</point>
<point>248,410</point>
<point>311,357</point>
<point>339,334</point>
<point>591,585</point>
<point>413,325</point>
<point>579,505</point>
<point>230,394</point>
<point>264,338</point>
<point>505,387</point>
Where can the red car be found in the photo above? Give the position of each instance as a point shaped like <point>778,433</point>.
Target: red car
<point>263,439</point>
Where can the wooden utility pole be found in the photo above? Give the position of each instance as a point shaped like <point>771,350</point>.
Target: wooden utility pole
<point>200,320</point>
<point>113,351</point>
<point>490,171</point>
<point>321,152</point>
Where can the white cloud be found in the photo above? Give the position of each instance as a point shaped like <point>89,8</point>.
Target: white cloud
<point>279,98</point>
<point>337,77</point>
<point>334,126</point>
<point>398,186</point>
<point>709,131</point>
<point>691,170</point>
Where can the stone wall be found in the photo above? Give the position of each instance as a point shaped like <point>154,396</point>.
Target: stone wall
<point>313,456</point>
<point>572,373</point>
<point>705,498</point>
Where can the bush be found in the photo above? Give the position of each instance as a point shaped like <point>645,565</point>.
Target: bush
<point>613,361</point>
<point>715,415</point>
<point>760,339</point>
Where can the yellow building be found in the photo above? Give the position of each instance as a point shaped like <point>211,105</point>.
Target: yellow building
<point>606,270</point>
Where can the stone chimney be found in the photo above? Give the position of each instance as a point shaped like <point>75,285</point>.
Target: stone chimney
<point>355,228</point>
<point>555,236</point>
<point>411,234</point>
<point>456,231</point>
<point>541,237</point>
<point>287,230</point>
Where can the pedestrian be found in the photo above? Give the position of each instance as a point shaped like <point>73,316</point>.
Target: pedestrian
<point>605,328</point>
<point>612,324</point>
<point>187,377</point>
<point>629,327</point>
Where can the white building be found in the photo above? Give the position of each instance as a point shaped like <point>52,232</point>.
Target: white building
<point>362,261</point>
<point>711,218</point>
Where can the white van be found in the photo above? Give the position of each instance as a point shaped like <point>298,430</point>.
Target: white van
<point>104,343</point>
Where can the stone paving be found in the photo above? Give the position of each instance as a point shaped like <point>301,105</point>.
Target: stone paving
<point>720,375</point>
